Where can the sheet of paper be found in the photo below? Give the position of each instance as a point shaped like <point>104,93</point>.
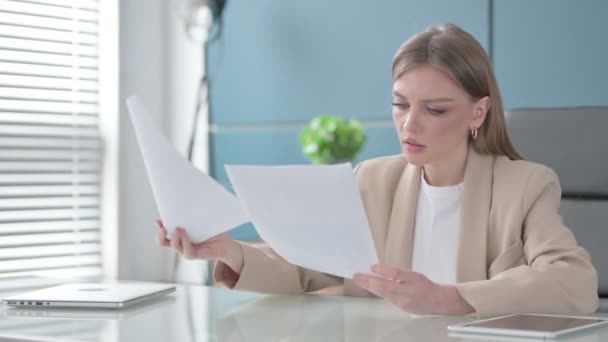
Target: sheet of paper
<point>311,215</point>
<point>185,196</point>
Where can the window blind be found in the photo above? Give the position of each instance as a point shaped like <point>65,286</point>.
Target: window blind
<point>50,148</point>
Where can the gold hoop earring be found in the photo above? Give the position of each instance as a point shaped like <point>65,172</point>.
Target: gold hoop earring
<point>474,133</point>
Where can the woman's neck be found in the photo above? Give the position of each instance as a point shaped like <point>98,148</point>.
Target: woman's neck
<point>449,171</point>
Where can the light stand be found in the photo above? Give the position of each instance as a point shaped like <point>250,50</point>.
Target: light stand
<point>203,23</point>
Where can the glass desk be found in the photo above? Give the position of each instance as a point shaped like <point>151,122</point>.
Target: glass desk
<point>201,313</point>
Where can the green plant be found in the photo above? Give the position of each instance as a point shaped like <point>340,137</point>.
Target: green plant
<point>329,139</point>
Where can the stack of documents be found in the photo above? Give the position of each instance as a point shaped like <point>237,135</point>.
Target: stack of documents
<point>312,216</point>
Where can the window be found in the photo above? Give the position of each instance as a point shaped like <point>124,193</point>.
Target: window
<point>50,147</point>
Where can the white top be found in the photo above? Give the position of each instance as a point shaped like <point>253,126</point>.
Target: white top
<point>435,245</point>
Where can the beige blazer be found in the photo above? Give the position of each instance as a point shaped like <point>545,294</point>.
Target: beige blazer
<point>514,252</point>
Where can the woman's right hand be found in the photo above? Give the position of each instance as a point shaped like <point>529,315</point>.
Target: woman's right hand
<point>221,247</point>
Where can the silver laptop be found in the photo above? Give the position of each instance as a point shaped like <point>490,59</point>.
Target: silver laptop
<point>91,295</point>
<point>85,314</point>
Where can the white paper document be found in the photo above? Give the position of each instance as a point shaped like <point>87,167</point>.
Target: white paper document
<point>185,196</point>
<point>311,215</point>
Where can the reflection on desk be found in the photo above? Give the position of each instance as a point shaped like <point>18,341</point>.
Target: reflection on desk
<point>199,313</point>
<point>318,318</point>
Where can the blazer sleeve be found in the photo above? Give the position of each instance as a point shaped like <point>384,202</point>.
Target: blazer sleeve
<point>557,277</point>
<point>265,271</point>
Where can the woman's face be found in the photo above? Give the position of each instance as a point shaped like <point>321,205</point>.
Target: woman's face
<point>433,114</point>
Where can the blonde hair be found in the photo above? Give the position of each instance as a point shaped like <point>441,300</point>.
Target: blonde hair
<point>455,51</point>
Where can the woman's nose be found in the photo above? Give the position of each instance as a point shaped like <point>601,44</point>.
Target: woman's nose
<point>411,123</point>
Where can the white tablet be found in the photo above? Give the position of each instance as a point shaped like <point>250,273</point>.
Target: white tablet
<point>529,325</point>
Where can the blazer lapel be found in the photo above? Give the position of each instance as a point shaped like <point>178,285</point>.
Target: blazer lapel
<point>401,225</point>
<point>476,203</point>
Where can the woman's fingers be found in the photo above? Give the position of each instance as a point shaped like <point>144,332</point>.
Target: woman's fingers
<point>180,241</point>
<point>161,238</point>
<point>176,241</point>
<point>192,251</point>
<point>161,234</point>
<point>409,290</point>
<point>188,250</point>
<point>393,273</point>
<point>391,290</point>
<point>378,286</point>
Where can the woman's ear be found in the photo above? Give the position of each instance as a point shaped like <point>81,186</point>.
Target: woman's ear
<point>480,111</point>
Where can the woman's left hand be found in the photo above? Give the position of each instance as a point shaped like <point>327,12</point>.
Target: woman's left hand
<point>413,292</point>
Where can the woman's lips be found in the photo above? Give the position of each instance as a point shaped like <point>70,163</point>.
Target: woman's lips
<point>412,146</point>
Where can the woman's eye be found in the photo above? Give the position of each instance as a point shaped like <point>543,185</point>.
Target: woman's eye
<point>436,111</point>
<point>400,105</point>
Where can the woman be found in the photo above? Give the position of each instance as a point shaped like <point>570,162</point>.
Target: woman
<point>460,222</point>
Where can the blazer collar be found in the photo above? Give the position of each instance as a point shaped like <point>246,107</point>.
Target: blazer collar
<point>401,225</point>
<point>475,210</point>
